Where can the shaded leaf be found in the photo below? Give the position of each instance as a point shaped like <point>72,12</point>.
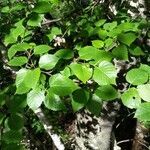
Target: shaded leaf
<point>12,136</point>
<point>94,105</point>
<point>42,7</point>
<point>35,20</point>
<point>127,38</point>
<point>136,51</point>
<point>79,99</point>
<point>53,102</point>
<point>15,122</point>
<point>65,53</point>
<point>107,92</point>
<point>120,52</point>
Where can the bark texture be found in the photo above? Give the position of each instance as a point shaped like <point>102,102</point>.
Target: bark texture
<point>95,133</point>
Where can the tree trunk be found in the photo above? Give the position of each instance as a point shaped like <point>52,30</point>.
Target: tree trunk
<point>95,133</point>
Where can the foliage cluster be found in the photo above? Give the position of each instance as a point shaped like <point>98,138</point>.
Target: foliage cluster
<point>66,60</point>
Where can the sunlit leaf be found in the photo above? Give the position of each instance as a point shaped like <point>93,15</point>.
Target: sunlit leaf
<point>137,76</point>
<point>83,72</point>
<point>35,98</point>
<point>62,85</point>
<point>131,98</point>
<point>105,73</point>
<point>48,61</point>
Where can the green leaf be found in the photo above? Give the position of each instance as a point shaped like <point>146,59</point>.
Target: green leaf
<point>110,26</point>
<point>64,53</point>
<point>5,9</point>
<point>136,51</point>
<point>143,112</point>
<point>128,26</point>
<point>35,20</point>
<point>94,105</point>
<point>41,49</point>
<point>62,85</point>
<point>35,98</point>
<point>42,7</point>
<point>100,22</point>
<point>17,103</point>
<point>101,56</point>
<point>66,72</point>
<point>15,122</point>
<point>131,98</point>
<point>79,99</point>
<point>9,39</point>
<point>56,2</point>
<point>88,52</point>
<point>17,48</point>
<point>27,79</point>
<point>107,92</point>
<point>22,86</point>
<point>18,61</point>
<point>12,136</point>
<point>18,6</point>
<point>2,116</point>
<point>18,31</point>
<point>48,61</point>
<point>115,32</point>
<point>82,72</point>
<point>13,146</point>
<point>105,73</point>
<point>54,32</point>
<point>120,52</point>
<point>127,38</point>
<point>93,54</point>
<point>110,43</point>
<point>102,34</point>
<point>97,43</point>
<point>53,102</point>
<point>33,78</point>
<point>137,76</point>
<point>144,92</point>
<point>145,68</point>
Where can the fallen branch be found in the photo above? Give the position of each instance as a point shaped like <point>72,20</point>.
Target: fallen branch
<point>55,138</point>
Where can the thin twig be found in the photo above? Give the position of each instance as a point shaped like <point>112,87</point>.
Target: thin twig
<point>48,73</point>
<point>124,141</point>
<point>50,21</point>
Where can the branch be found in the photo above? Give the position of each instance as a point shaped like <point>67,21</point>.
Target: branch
<point>50,21</point>
<point>55,138</point>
